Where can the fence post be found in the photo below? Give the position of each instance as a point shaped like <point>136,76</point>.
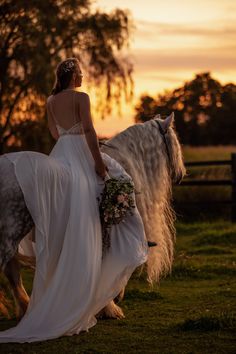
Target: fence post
<point>233,166</point>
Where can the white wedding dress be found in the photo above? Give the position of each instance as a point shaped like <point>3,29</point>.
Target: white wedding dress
<point>72,283</point>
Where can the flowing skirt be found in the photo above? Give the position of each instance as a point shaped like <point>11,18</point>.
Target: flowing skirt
<point>72,282</point>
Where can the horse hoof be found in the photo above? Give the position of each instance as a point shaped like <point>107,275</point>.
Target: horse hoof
<point>111,311</point>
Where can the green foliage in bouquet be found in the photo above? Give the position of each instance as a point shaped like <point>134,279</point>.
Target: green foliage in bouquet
<point>117,200</point>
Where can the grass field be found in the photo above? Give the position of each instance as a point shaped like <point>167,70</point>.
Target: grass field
<point>201,153</point>
<point>192,311</point>
<point>205,197</point>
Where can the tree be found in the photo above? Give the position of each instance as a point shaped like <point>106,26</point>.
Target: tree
<point>35,35</point>
<point>205,110</point>
<point>31,135</point>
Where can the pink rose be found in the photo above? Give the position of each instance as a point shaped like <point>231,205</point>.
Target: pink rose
<point>120,198</point>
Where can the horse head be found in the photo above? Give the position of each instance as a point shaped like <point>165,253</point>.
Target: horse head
<point>171,147</point>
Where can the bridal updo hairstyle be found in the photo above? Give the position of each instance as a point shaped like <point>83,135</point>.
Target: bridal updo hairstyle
<point>64,72</point>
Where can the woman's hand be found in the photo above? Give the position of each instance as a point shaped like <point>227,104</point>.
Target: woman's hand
<point>101,169</point>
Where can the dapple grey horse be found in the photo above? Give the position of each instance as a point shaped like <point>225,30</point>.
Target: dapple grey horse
<point>151,154</point>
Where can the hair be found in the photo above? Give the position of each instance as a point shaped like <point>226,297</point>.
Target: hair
<point>142,153</point>
<point>64,72</point>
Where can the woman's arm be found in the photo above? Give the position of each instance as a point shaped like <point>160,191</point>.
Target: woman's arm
<point>51,124</point>
<point>90,133</point>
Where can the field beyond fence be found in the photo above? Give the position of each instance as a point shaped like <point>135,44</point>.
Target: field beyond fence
<point>207,190</point>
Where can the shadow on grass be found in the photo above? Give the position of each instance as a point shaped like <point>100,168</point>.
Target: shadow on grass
<point>211,251</point>
<point>222,321</point>
<point>141,295</point>
<point>227,238</point>
<point>184,271</point>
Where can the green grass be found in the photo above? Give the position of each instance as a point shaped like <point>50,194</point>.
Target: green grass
<point>192,311</point>
<point>205,153</point>
<point>184,196</point>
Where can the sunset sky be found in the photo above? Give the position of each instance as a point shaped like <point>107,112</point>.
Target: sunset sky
<point>173,40</point>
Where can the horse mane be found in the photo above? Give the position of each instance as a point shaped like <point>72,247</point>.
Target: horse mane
<point>140,150</point>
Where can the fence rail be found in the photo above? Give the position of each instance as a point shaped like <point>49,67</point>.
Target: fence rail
<point>221,182</point>
<point>208,163</point>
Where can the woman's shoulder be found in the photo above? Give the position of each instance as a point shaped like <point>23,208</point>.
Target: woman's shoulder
<point>49,98</point>
<point>82,95</point>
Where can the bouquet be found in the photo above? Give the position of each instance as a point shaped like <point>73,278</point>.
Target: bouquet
<point>115,203</point>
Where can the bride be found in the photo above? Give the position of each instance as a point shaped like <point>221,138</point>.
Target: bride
<point>72,281</point>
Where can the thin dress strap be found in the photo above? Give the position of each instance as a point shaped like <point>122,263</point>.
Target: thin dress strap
<point>74,107</point>
<point>77,126</point>
<point>75,113</point>
<point>52,113</point>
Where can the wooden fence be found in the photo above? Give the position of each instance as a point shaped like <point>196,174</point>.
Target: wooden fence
<point>217,182</point>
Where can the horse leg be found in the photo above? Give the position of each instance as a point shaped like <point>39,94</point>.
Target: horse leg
<point>120,296</point>
<point>15,223</point>
<point>111,310</point>
<point>12,272</point>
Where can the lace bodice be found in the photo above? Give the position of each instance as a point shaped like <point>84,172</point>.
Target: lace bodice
<point>64,109</point>
<point>75,129</point>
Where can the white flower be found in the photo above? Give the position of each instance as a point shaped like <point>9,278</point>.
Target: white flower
<point>68,66</point>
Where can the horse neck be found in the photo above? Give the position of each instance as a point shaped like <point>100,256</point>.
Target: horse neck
<point>141,151</point>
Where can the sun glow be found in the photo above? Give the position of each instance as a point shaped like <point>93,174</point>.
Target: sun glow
<point>173,41</point>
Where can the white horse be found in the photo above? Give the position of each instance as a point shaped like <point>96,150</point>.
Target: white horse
<point>151,155</point>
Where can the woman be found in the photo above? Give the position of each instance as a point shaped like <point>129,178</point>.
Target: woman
<point>72,281</point>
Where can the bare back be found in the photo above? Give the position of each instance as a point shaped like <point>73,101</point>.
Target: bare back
<point>64,109</point>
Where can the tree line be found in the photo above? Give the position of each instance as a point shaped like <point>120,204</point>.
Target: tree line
<point>35,35</point>
<point>205,110</point>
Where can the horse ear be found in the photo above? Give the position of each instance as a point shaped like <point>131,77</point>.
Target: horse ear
<point>168,122</point>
